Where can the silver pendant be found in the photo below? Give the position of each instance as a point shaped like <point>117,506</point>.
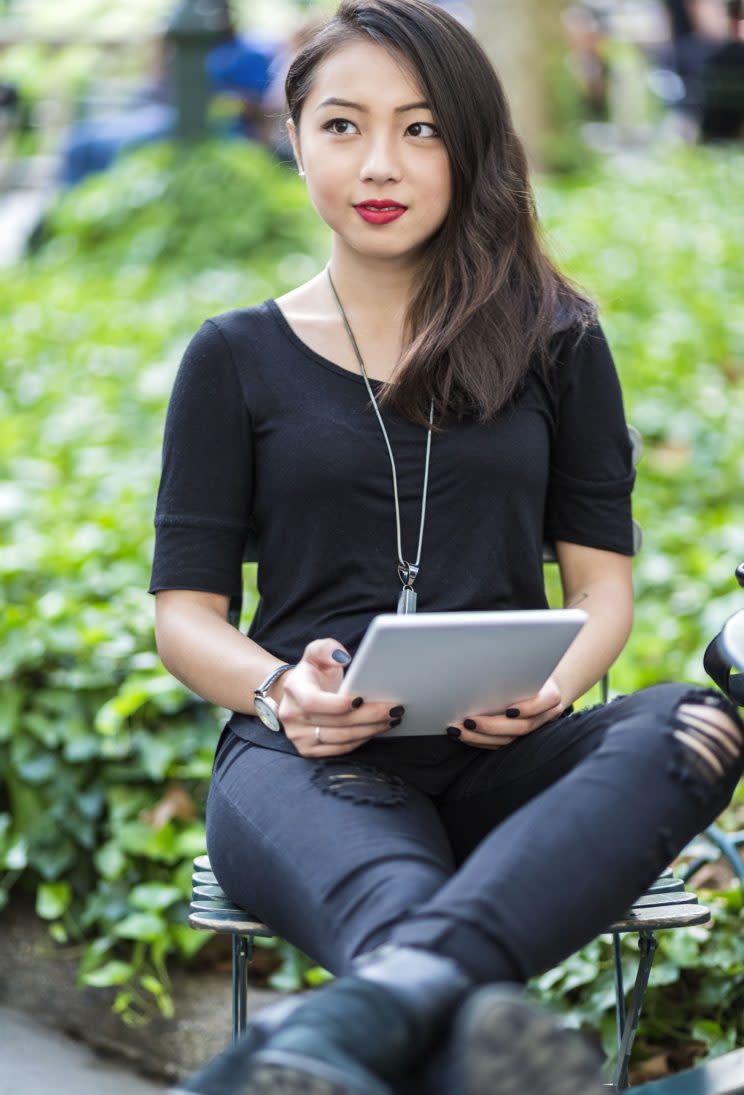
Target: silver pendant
<point>407,600</point>
<point>407,572</point>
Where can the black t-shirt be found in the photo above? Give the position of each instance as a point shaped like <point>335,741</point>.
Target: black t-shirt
<point>269,443</point>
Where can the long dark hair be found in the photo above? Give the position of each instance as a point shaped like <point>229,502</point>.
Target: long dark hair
<point>487,300</point>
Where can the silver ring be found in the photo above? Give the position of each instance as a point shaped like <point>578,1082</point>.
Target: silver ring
<point>317,736</point>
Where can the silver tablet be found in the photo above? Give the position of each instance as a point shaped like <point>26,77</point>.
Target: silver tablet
<point>443,666</point>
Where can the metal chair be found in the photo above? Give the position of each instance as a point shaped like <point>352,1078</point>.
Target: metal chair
<point>665,905</point>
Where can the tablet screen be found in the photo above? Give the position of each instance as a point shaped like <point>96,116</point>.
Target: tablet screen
<point>442,666</point>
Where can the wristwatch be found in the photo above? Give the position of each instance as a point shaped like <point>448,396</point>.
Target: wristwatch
<point>267,708</point>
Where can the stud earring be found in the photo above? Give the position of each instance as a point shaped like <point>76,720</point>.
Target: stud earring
<point>301,174</point>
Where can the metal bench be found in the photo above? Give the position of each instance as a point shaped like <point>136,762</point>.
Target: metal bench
<point>665,905</point>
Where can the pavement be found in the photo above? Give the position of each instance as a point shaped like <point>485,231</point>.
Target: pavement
<point>36,1060</point>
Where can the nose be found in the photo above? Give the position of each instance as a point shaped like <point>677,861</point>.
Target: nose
<point>381,162</point>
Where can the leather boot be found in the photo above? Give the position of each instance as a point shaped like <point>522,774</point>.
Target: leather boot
<point>227,1073</point>
<point>504,1043</point>
<point>360,1033</point>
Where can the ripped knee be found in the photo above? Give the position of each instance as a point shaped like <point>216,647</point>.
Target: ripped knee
<point>712,733</point>
<point>360,783</point>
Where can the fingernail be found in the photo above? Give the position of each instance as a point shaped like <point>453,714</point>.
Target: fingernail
<point>394,723</point>
<point>453,732</point>
<point>512,712</point>
<point>396,712</point>
<point>357,702</point>
<point>469,724</point>
<point>341,656</point>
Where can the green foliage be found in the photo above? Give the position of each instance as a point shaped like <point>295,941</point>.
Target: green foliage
<point>104,759</point>
<point>696,988</point>
<point>210,206</point>
<point>659,242</point>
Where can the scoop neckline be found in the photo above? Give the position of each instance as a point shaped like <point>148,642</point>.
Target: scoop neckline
<point>308,351</point>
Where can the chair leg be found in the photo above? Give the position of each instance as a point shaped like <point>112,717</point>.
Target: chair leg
<point>647,945</point>
<point>242,952</point>
<point>619,989</point>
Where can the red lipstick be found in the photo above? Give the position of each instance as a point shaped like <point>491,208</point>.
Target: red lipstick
<point>380,210</point>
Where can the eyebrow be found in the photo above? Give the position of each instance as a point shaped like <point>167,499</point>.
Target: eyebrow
<point>333,101</point>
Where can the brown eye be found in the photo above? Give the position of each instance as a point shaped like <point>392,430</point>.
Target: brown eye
<point>416,129</point>
<point>335,126</point>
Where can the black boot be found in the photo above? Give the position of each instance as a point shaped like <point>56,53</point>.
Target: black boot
<point>362,1032</point>
<point>226,1074</point>
<point>504,1043</point>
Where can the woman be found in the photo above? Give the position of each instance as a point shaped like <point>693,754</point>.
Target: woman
<point>416,869</point>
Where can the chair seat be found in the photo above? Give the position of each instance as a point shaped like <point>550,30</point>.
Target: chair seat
<point>666,904</point>
<point>654,918</point>
<point>231,920</point>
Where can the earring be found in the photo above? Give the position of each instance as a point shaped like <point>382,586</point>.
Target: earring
<point>302,174</point>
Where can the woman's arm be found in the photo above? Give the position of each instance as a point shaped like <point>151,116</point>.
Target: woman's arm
<point>215,660</point>
<point>206,653</point>
<point>600,583</point>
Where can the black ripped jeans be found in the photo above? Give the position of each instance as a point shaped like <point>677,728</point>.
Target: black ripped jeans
<point>506,861</point>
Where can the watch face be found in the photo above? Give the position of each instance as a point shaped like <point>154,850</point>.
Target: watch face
<point>267,714</point>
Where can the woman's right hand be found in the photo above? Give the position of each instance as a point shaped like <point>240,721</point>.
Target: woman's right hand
<point>317,720</point>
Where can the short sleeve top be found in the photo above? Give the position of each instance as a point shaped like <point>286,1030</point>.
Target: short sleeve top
<point>269,443</point>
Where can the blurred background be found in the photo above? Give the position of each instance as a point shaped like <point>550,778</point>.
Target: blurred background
<point>145,184</point>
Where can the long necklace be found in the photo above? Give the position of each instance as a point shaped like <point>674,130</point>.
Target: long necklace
<point>407,572</point>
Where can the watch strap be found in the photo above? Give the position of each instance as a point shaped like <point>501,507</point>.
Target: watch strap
<point>264,687</point>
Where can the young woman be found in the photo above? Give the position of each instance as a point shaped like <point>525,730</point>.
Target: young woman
<point>438,398</point>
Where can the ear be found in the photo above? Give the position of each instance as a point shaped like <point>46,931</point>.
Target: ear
<point>295,142</point>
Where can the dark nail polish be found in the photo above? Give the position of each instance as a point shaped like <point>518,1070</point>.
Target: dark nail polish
<point>512,712</point>
<point>357,702</point>
<point>341,656</point>
<point>453,732</point>
<point>396,712</point>
<point>469,724</point>
<point>394,723</point>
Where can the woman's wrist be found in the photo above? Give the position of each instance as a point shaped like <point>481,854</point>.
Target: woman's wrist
<point>276,692</point>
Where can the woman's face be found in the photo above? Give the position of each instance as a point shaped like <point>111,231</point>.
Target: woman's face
<point>378,144</point>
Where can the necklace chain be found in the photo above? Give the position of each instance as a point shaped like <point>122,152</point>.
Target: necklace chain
<point>407,572</point>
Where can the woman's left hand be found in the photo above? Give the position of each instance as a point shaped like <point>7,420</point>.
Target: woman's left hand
<point>522,717</point>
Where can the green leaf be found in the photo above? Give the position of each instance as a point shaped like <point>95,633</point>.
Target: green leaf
<point>53,860</point>
<point>52,899</point>
<point>156,754</point>
<point>152,985</point>
<point>716,1038</point>
<point>140,925</point>
<point>38,769</point>
<point>188,941</point>
<point>154,895</point>
<point>111,973</point>
<point>110,860</point>
<point>680,947</point>
<point>16,857</point>
<point>137,838</point>
<point>191,842</point>
<point>11,702</point>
